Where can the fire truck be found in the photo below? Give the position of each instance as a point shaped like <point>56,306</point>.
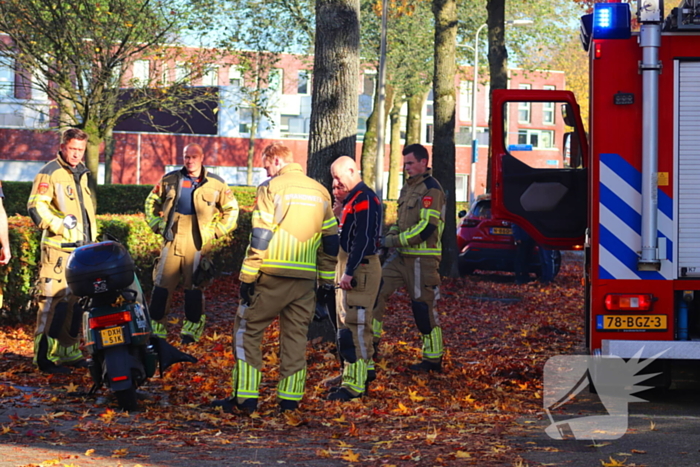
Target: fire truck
<point>628,192</point>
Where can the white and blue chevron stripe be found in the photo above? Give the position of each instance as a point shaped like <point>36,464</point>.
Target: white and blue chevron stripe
<point>621,222</point>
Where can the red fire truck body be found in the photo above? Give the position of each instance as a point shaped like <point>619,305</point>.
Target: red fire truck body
<point>630,195</point>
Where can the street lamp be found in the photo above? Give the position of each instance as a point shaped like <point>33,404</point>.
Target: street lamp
<point>475,146</point>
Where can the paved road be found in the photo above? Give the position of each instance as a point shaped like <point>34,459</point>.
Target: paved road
<point>40,440</point>
<point>662,432</point>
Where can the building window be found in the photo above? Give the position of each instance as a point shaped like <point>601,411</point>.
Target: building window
<point>276,80</point>
<point>182,74</point>
<point>210,76</point>
<point>39,87</point>
<point>361,128</point>
<point>369,83</point>
<point>464,136</point>
<point>465,100</point>
<point>303,82</point>
<point>461,187</point>
<point>292,126</point>
<point>483,137</point>
<point>487,102</point>
<point>429,105</point>
<point>548,108</point>
<point>235,78</point>
<point>165,75</point>
<point>7,81</point>
<point>141,72</point>
<point>245,120</point>
<point>524,107</point>
<point>429,133</point>
<point>539,139</point>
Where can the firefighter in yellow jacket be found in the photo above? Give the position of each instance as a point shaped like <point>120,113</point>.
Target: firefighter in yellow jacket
<point>61,205</point>
<point>293,243</point>
<point>416,237</point>
<point>189,208</point>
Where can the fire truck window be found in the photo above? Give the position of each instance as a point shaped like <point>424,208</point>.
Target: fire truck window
<point>537,142</point>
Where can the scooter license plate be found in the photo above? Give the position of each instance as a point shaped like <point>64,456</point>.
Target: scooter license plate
<point>112,336</point>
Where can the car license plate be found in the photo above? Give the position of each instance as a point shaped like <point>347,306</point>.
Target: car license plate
<point>501,231</point>
<point>112,336</point>
<point>632,322</point>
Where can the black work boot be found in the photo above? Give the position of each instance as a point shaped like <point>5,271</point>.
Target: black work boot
<point>342,394</point>
<point>186,339</point>
<point>45,365</point>
<point>248,406</point>
<point>287,405</point>
<point>427,367</point>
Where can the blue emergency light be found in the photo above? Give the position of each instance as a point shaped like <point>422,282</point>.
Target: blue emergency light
<point>612,21</point>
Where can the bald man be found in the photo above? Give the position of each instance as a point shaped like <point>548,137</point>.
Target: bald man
<point>358,274</point>
<point>189,208</point>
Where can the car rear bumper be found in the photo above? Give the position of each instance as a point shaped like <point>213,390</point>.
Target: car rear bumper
<point>489,257</point>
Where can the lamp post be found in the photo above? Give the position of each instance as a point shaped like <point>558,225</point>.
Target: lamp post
<point>475,146</point>
<point>379,163</point>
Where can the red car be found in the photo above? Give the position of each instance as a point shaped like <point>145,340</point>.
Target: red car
<point>487,244</point>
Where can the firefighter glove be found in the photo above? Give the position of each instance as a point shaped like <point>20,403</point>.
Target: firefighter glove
<point>390,241</point>
<point>204,274</point>
<point>247,291</point>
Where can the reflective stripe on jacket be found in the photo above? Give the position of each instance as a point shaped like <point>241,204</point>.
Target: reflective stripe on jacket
<point>295,233</point>
<point>215,206</point>
<point>421,205</point>
<point>59,191</point>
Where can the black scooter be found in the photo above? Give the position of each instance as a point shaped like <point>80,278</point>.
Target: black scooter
<point>116,324</point>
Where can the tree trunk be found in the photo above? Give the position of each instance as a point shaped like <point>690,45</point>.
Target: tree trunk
<point>445,12</point>
<point>395,158</point>
<point>369,143</point>
<point>333,127</point>
<point>414,118</point>
<point>92,161</point>
<point>498,56</point>
<point>110,144</point>
<point>251,147</point>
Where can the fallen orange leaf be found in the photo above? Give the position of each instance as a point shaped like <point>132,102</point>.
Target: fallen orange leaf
<point>351,456</point>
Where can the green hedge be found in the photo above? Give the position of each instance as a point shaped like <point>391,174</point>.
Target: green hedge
<point>16,196</point>
<point>111,199</point>
<point>19,276</point>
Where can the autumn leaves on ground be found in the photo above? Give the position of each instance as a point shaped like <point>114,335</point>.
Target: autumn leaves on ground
<point>498,336</point>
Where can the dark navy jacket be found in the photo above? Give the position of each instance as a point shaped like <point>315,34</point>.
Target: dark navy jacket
<point>360,225</point>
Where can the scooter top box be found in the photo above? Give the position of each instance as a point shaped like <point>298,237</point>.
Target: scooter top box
<point>99,268</point>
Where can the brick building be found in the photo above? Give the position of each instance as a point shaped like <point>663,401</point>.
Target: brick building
<point>143,156</point>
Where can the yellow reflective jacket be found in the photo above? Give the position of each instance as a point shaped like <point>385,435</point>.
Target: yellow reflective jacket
<point>215,206</point>
<point>59,191</point>
<point>295,233</point>
<point>421,217</point>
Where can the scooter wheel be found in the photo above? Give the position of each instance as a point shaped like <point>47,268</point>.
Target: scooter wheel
<point>127,399</point>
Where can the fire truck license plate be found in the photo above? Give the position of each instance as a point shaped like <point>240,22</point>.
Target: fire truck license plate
<point>631,322</point>
<point>112,336</point>
<point>501,231</point>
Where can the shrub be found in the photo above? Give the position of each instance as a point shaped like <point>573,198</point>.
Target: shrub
<point>111,199</point>
<point>20,275</point>
<point>16,196</point>
<point>121,199</point>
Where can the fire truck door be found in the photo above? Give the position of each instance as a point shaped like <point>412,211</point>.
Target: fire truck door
<point>539,157</point>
